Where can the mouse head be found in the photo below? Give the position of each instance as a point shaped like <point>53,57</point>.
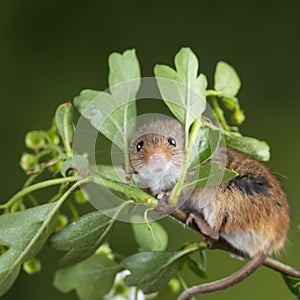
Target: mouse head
<point>156,154</point>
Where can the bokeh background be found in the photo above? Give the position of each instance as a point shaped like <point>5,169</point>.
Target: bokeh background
<point>50,50</point>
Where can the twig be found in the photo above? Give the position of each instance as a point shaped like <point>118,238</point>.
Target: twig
<point>222,244</point>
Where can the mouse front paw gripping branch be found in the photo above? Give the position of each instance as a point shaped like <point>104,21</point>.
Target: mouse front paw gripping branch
<point>191,163</point>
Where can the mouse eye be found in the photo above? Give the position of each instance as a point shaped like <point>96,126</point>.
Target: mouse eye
<point>139,146</point>
<point>171,142</point>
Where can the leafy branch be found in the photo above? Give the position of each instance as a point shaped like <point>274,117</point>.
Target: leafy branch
<point>89,266</point>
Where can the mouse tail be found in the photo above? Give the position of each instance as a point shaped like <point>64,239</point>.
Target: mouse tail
<point>229,281</point>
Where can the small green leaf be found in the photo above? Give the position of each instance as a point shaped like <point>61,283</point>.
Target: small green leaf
<point>81,238</point>
<point>212,174</point>
<point>207,144</point>
<point>151,271</point>
<point>24,233</point>
<point>112,172</point>
<point>227,82</point>
<point>91,279</point>
<point>63,120</point>
<point>124,74</point>
<point>231,103</point>
<point>182,89</point>
<point>157,240</point>
<point>76,162</point>
<point>293,285</point>
<point>259,150</point>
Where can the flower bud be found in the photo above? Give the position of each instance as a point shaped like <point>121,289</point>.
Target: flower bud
<point>81,196</point>
<point>173,286</point>
<point>32,266</point>
<point>28,162</point>
<point>62,222</point>
<point>35,140</point>
<point>238,117</point>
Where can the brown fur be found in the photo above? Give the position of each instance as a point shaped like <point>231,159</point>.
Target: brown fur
<point>252,202</point>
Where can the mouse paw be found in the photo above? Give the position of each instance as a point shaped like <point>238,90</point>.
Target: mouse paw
<point>163,207</point>
<point>163,196</point>
<point>203,227</point>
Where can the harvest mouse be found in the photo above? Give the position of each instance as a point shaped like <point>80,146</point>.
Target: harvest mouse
<point>250,211</point>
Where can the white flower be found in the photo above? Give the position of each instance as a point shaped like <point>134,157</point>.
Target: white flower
<point>125,293</point>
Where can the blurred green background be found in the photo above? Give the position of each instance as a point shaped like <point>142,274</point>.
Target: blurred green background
<point>50,50</point>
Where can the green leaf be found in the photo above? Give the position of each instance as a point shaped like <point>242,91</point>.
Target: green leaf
<point>112,172</point>
<point>110,112</point>
<point>231,103</point>
<point>259,150</point>
<point>212,174</point>
<point>81,238</point>
<point>24,233</point>
<point>206,145</point>
<point>124,76</point>
<point>151,271</point>
<point>154,240</point>
<point>182,89</point>
<point>76,162</point>
<point>91,279</point>
<point>227,82</point>
<point>103,111</point>
<point>293,285</point>
<point>63,120</point>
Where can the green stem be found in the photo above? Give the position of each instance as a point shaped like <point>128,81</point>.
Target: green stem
<point>187,113</point>
<point>43,153</point>
<point>136,293</point>
<point>210,93</point>
<point>112,222</point>
<point>35,187</point>
<point>67,140</point>
<point>30,179</point>
<point>47,221</point>
<point>183,283</point>
<point>219,113</point>
<point>197,124</point>
<point>62,189</point>
<point>133,192</point>
<point>73,210</point>
<point>27,183</point>
<point>125,140</point>
<point>32,199</point>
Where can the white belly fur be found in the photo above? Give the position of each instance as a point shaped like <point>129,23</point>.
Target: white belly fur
<point>250,242</point>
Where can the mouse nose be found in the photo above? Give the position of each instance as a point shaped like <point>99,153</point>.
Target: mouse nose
<point>156,155</point>
<point>157,161</point>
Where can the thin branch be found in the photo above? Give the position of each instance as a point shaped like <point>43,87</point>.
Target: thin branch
<point>35,187</point>
<point>221,244</point>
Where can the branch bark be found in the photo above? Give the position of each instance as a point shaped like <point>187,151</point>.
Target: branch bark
<point>222,244</point>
